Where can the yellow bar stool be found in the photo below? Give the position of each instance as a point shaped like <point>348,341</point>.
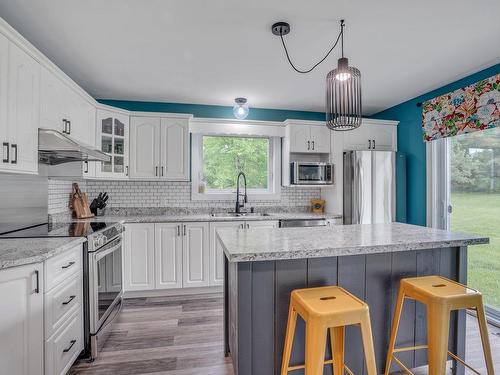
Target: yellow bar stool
<point>327,308</point>
<point>441,296</point>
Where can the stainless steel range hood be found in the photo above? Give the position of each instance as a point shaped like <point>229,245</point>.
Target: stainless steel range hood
<point>57,148</point>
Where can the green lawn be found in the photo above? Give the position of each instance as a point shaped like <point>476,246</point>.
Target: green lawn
<point>479,213</point>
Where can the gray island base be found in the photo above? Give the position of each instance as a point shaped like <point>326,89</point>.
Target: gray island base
<point>263,266</point>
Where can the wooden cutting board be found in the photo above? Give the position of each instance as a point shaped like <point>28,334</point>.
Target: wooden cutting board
<point>79,203</point>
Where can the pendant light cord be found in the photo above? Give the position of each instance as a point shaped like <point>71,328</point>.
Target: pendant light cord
<point>320,61</point>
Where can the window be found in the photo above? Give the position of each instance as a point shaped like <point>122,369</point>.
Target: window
<point>217,160</point>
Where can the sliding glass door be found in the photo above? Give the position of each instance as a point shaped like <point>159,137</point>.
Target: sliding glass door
<point>473,181</point>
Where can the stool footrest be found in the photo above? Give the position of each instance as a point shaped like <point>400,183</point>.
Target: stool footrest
<point>419,347</point>
<point>327,362</point>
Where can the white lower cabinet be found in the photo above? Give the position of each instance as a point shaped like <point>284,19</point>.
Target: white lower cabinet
<point>195,256</point>
<point>168,256</point>
<point>216,251</point>
<point>63,310</point>
<point>21,323</point>
<point>139,257</point>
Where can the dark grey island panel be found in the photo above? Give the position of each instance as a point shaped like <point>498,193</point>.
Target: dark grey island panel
<point>258,296</point>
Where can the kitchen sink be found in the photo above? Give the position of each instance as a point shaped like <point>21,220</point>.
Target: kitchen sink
<point>241,214</point>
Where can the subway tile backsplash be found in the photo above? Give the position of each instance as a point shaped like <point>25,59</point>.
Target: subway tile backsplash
<point>162,194</point>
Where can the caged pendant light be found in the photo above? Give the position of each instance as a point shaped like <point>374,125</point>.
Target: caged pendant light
<point>343,94</point>
<point>343,85</point>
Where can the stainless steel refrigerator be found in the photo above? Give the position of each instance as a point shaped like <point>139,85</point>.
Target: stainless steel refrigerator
<point>369,187</point>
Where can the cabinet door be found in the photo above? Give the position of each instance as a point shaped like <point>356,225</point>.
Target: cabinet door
<point>384,137</point>
<point>144,147</point>
<point>300,138</point>
<point>358,139</point>
<point>21,345</point>
<point>168,256</point>
<point>139,252</point>
<point>174,149</point>
<point>79,115</point>
<point>262,224</point>
<point>195,257</point>
<point>112,137</point>
<point>320,139</point>
<point>52,102</point>
<point>23,110</point>
<point>217,253</point>
<point>4,134</point>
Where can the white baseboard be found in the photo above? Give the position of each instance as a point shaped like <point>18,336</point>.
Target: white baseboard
<point>172,292</point>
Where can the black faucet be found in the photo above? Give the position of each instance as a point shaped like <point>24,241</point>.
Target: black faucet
<point>239,206</point>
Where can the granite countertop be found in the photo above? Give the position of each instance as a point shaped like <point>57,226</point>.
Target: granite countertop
<point>176,218</point>
<point>301,243</point>
<point>20,251</point>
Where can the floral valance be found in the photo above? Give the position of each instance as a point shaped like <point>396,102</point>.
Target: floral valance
<point>472,108</point>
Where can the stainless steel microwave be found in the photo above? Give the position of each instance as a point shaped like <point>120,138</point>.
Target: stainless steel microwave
<point>311,173</point>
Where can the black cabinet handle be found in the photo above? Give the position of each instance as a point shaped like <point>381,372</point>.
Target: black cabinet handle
<point>184,230</point>
<point>65,126</point>
<point>69,127</point>
<point>37,276</point>
<point>156,171</point>
<point>14,149</point>
<point>72,342</point>
<point>374,144</point>
<point>369,144</point>
<point>71,298</point>
<point>313,144</point>
<point>178,230</point>
<point>68,265</point>
<point>86,167</point>
<point>162,170</point>
<point>308,145</point>
<point>126,170</point>
<point>6,145</point>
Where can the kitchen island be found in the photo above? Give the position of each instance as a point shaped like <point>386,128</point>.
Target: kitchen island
<point>263,266</point>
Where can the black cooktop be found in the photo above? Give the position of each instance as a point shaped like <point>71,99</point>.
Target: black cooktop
<point>74,229</point>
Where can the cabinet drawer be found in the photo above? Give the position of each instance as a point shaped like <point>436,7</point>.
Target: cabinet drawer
<point>63,348</point>
<point>62,301</point>
<point>62,266</point>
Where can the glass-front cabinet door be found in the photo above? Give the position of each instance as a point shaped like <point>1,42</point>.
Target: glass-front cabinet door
<point>113,139</point>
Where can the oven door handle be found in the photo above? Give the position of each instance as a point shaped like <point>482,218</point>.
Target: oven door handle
<point>98,255</point>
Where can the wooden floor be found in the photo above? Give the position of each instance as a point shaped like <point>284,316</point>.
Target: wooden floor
<point>182,335</point>
<point>165,335</point>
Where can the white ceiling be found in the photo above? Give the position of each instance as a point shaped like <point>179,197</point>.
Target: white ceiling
<point>209,52</point>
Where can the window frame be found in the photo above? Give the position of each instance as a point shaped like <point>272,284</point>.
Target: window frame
<point>272,193</point>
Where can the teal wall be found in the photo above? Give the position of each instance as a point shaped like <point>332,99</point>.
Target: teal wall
<point>410,142</point>
<point>214,111</point>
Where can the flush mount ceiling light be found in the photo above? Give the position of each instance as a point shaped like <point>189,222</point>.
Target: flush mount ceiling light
<point>343,85</point>
<point>240,109</point>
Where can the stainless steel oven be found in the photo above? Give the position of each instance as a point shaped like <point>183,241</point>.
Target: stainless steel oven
<point>311,173</point>
<point>104,288</point>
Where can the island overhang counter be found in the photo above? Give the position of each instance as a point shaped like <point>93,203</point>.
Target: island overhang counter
<point>263,266</point>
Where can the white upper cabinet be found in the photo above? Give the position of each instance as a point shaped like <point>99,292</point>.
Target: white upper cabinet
<point>320,139</point>
<point>168,256</point>
<point>62,109</point>
<point>308,138</point>
<point>159,148</point>
<point>175,149</point>
<point>4,71</point>
<point>52,102</point>
<point>300,138</point>
<point>372,135</point>
<point>22,340</point>
<point>23,110</point>
<point>145,147</point>
<point>112,138</point>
